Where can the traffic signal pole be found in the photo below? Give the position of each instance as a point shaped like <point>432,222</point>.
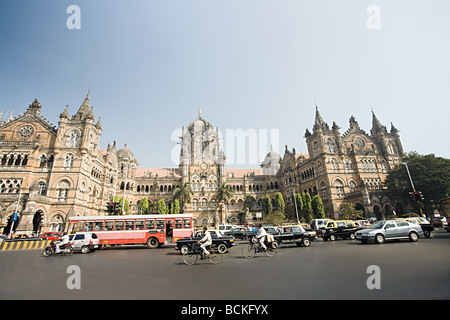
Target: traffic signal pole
<point>414,189</point>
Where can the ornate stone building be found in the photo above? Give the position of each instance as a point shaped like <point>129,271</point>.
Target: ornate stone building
<point>59,171</point>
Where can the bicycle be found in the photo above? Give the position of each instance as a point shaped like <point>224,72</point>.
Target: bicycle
<point>192,255</point>
<point>250,250</point>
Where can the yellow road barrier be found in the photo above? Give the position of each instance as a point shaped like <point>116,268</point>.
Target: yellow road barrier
<point>23,244</point>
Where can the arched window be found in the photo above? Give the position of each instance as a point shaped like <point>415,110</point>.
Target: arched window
<point>42,188</point>
<point>391,147</point>
<point>316,151</point>
<point>73,139</point>
<point>62,190</point>
<point>339,185</point>
<point>334,164</point>
<point>331,147</point>
<point>68,161</point>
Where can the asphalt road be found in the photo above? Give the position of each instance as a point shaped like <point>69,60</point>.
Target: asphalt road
<point>325,270</point>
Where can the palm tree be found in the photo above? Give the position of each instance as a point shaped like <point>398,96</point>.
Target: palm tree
<point>223,193</point>
<point>183,193</point>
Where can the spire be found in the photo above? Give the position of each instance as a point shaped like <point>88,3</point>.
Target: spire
<point>98,125</point>
<point>376,124</point>
<point>65,113</point>
<point>318,121</point>
<point>377,127</point>
<point>84,109</point>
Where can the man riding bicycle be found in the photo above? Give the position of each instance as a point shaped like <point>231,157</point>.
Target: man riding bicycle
<point>261,236</point>
<point>206,241</point>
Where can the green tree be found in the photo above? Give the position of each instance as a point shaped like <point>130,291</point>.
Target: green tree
<point>307,212</point>
<point>162,207</point>
<point>266,205</point>
<point>183,193</point>
<point>348,212</point>
<point>175,206</point>
<point>143,206</point>
<point>430,174</point>
<point>276,217</point>
<point>279,202</point>
<point>317,207</point>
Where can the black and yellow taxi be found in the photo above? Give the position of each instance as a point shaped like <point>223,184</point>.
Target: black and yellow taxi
<point>344,229</point>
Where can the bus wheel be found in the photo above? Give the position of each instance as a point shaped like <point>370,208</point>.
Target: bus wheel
<point>152,243</point>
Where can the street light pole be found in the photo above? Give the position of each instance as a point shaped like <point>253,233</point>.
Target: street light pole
<point>295,204</point>
<point>124,187</point>
<point>414,188</point>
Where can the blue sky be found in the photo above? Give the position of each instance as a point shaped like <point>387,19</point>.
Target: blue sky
<point>248,64</point>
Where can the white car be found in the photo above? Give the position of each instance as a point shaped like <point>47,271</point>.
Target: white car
<point>84,241</point>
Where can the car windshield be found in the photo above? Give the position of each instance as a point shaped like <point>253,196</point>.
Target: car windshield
<point>377,225</point>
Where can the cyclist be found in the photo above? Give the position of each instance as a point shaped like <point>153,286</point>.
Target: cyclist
<point>206,241</point>
<point>261,236</point>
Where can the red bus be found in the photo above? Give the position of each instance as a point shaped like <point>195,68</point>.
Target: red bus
<point>152,230</point>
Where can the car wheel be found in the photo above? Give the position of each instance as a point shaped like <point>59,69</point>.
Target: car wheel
<point>427,233</point>
<point>306,242</point>
<point>222,248</point>
<point>332,237</point>
<point>379,238</point>
<point>184,249</point>
<point>85,249</point>
<point>414,237</point>
<point>352,236</point>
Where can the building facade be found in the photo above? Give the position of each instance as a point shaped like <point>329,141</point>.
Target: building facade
<point>50,173</point>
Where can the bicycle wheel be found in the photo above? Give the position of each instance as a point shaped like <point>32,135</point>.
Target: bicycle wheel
<point>190,257</point>
<point>272,249</point>
<point>249,251</point>
<point>215,257</point>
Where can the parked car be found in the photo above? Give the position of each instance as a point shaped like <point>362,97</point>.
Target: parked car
<point>51,235</point>
<point>382,231</point>
<point>339,229</point>
<point>426,226</point>
<point>219,240</point>
<point>84,241</point>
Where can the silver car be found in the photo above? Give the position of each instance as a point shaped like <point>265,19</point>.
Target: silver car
<point>390,230</point>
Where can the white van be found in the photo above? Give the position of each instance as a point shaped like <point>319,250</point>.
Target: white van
<point>317,224</point>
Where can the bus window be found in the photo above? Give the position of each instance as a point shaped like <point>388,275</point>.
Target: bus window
<point>159,223</point>
<point>109,225</point>
<point>139,225</point>
<point>72,228</point>
<point>129,224</point>
<point>98,226</point>
<point>177,223</point>
<point>89,226</point>
<point>186,223</point>
<point>119,225</point>
<point>149,224</point>
<point>80,226</point>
